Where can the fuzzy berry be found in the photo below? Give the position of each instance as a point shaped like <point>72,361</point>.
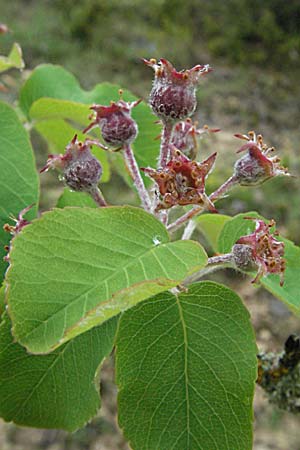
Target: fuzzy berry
<point>173,96</point>
<point>257,165</point>
<point>185,136</point>
<point>117,127</point>
<point>260,250</point>
<point>81,171</point>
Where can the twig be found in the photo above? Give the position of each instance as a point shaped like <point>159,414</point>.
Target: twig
<point>189,229</point>
<point>220,192</point>
<point>96,194</point>
<point>223,189</point>
<point>165,144</point>
<point>214,263</point>
<point>185,217</point>
<point>136,177</point>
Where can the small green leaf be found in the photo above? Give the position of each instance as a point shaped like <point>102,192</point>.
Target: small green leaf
<point>234,228</point>
<point>74,268</point>
<point>186,371</point>
<point>60,390</point>
<point>19,185</point>
<point>51,108</point>
<point>68,102</point>
<point>211,225</point>
<point>289,293</point>
<point>13,60</point>
<point>80,199</point>
<point>2,299</point>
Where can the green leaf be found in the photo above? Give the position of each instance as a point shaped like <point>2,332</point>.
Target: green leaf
<point>2,299</point>
<point>60,390</point>
<point>19,185</point>
<point>234,228</point>
<point>211,225</point>
<point>68,102</point>
<point>13,60</point>
<point>289,293</point>
<point>186,370</point>
<point>74,268</point>
<point>71,198</point>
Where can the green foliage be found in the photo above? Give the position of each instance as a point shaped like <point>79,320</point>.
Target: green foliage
<point>13,60</point>
<point>2,299</point>
<point>289,293</point>
<point>74,268</point>
<point>186,368</point>
<point>211,226</point>
<point>60,390</point>
<point>234,228</point>
<point>80,199</point>
<point>19,185</point>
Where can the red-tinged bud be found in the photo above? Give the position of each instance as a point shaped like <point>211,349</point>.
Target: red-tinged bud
<point>20,223</point>
<point>185,136</point>
<point>182,181</point>
<point>260,249</point>
<point>116,124</point>
<point>173,96</point>
<point>80,170</point>
<point>3,28</point>
<point>257,165</point>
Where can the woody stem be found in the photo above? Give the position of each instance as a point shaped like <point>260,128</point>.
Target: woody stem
<point>136,177</point>
<point>223,189</point>
<point>185,217</point>
<point>165,144</point>
<point>214,263</point>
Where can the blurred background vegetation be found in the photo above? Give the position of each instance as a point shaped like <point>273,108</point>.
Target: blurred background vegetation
<point>254,48</point>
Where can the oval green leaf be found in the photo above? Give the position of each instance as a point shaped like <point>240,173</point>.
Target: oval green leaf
<point>186,370</point>
<point>74,268</point>
<point>2,299</point>
<point>211,225</point>
<point>60,390</point>
<point>79,199</point>
<point>19,184</point>
<point>13,61</point>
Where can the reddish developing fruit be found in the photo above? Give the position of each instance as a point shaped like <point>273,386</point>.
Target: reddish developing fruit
<point>117,127</point>
<point>81,171</point>
<point>260,249</point>
<point>173,95</point>
<point>257,165</point>
<point>182,181</point>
